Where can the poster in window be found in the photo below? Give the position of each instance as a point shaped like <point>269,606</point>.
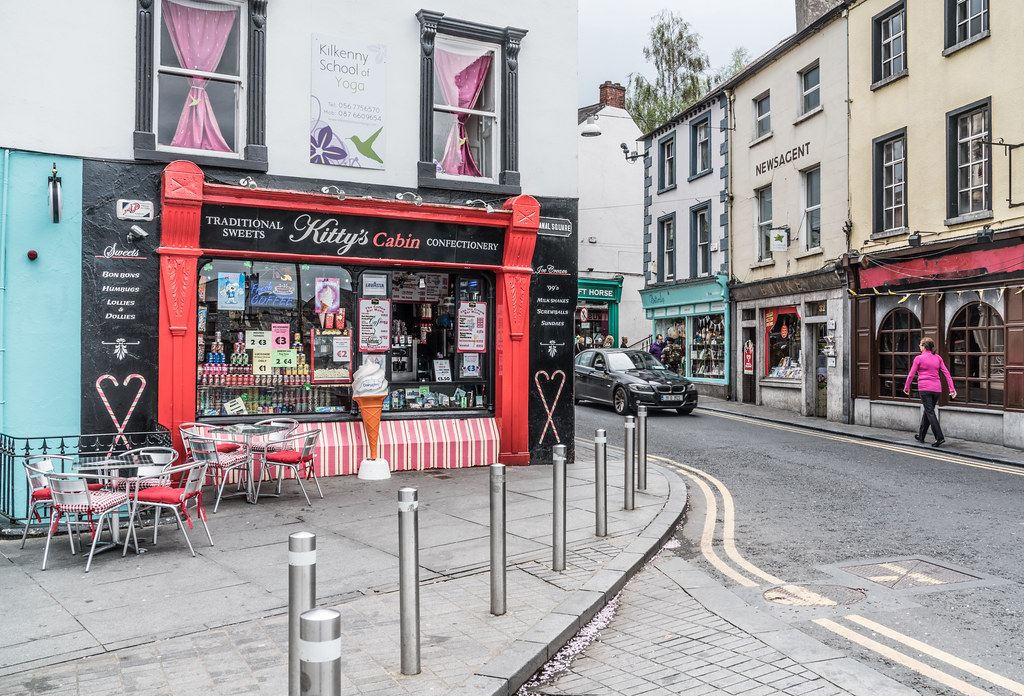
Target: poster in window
<point>347,102</point>
<point>328,295</point>
<point>442,371</point>
<point>470,365</point>
<point>374,325</point>
<point>472,327</point>
<point>230,291</point>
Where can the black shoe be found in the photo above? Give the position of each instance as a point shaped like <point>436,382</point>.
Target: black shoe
<point>919,438</point>
<point>939,443</point>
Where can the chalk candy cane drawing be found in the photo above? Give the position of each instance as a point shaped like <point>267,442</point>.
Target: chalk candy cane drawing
<point>549,410</point>
<point>122,425</point>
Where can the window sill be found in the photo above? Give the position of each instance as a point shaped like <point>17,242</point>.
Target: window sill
<point>255,160</point>
<point>816,251</point>
<point>782,382</point>
<point>666,189</point>
<point>968,217</point>
<point>810,114</point>
<point>508,182</point>
<point>889,234</point>
<point>763,263</point>
<point>889,80</point>
<point>968,42</point>
<point>698,175</point>
<point>758,141</point>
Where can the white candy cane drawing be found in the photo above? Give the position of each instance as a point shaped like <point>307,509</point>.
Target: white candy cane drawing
<point>122,425</point>
<point>549,410</point>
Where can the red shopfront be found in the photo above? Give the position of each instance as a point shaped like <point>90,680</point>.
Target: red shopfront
<point>437,294</point>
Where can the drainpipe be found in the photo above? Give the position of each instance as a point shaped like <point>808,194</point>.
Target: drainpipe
<point>3,283</point>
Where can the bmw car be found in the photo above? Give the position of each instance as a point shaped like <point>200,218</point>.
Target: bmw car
<point>627,378</point>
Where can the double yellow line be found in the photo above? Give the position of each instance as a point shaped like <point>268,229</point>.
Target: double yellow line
<point>747,574</point>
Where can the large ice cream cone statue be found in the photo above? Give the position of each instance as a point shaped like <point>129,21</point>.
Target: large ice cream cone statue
<point>369,389</point>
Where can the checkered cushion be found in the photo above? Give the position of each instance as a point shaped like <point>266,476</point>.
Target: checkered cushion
<point>99,501</point>
<point>233,458</point>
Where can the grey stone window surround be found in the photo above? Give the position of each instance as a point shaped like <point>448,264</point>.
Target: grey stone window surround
<point>144,137</point>
<point>952,189</point>
<point>509,38</point>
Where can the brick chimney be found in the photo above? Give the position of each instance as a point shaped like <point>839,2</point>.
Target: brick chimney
<point>808,11</point>
<point>613,94</point>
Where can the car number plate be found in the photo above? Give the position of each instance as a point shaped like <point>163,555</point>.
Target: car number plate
<point>673,397</point>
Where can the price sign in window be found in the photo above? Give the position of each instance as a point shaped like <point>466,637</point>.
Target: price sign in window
<point>259,339</point>
<point>284,358</point>
<point>262,361</point>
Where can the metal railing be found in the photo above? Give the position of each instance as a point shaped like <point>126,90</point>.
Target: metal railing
<point>14,451</point>
<point>642,344</point>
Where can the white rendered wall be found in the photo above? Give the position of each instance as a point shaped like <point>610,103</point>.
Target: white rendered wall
<point>611,211</point>
<point>69,82</point>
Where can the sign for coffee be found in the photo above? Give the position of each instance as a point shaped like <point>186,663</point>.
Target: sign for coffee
<point>347,236</point>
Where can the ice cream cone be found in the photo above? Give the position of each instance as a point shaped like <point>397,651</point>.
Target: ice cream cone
<point>370,408</point>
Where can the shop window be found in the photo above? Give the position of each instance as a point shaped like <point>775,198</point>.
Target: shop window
<point>977,355</point>
<point>782,338</point>
<point>810,89</point>
<point>812,207</point>
<point>968,162</point>
<point>890,183</point>
<point>469,118</point>
<point>700,147</point>
<point>898,338</point>
<point>889,45</point>
<point>280,338</point>
<point>707,346</point>
<point>966,22</point>
<point>764,223</point>
<point>762,116</point>
<point>199,94</point>
<point>667,163</point>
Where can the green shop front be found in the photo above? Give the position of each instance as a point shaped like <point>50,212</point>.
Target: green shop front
<point>694,316</point>
<point>597,310</point>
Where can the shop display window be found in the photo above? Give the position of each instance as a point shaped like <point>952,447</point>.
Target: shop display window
<point>673,354</point>
<point>782,338</point>
<point>594,329</point>
<point>281,338</point>
<point>898,338</point>
<point>977,355</point>
<point>707,346</point>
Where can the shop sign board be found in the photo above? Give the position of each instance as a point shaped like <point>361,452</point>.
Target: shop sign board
<point>272,231</point>
<point>134,210</point>
<point>748,358</point>
<point>555,227</point>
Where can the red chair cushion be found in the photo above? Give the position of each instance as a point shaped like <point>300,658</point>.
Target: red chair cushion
<point>287,457</point>
<point>228,447</point>
<point>160,494</point>
<point>44,493</point>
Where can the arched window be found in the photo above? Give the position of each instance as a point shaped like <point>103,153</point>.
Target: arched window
<point>898,339</point>
<point>976,347</point>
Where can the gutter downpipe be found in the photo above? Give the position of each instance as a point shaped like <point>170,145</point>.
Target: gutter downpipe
<point>4,185</point>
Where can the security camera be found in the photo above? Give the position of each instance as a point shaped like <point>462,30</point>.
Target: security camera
<point>624,147</point>
<point>136,234</point>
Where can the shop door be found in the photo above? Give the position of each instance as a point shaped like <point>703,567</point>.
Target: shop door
<point>748,353</point>
<point>821,360</point>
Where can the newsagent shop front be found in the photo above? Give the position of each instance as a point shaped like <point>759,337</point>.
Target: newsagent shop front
<point>270,300</point>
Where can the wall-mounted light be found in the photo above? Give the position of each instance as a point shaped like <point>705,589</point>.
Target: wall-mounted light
<point>592,239</point>
<point>136,234</point>
<point>631,156</point>
<point>56,198</point>
<point>335,190</point>
<point>590,128</point>
<point>985,234</point>
<point>480,201</point>
<point>414,197</point>
<point>914,240</point>
<point>249,182</point>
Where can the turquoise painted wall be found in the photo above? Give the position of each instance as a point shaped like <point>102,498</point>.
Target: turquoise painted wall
<point>41,300</point>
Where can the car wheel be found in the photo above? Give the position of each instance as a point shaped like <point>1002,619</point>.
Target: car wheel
<point>620,400</point>
<point>686,411</point>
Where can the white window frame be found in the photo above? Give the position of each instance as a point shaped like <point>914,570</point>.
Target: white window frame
<point>240,82</point>
<point>762,122</point>
<point>971,165</point>
<point>764,226</point>
<point>890,164</point>
<point>667,234</point>
<point>807,92</point>
<point>703,240</point>
<point>964,20</point>
<point>887,37</point>
<point>811,207</point>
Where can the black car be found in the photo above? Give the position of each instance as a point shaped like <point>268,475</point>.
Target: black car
<point>627,378</point>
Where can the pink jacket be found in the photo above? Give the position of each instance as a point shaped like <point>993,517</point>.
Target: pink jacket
<point>927,366</point>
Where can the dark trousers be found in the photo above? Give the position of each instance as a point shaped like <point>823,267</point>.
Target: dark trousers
<point>929,399</point>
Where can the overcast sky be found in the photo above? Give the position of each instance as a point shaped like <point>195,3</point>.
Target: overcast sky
<point>613,34</point>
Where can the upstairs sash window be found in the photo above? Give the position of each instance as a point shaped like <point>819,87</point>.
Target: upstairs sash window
<point>465,113</point>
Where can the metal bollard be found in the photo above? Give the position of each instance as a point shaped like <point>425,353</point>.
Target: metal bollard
<point>320,652</point>
<point>627,483</point>
<point>641,448</point>
<point>601,481</point>
<point>558,519</point>
<point>409,579</point>
<point>301,596</point>
<point>498,539</point>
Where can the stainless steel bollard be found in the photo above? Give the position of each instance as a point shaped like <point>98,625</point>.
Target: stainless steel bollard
<point>498,539</point>
<point>601,482</point>
<point>320,652</point>
<point>641,448</point>
<point>558,518</point>
<point>628,481</point>
<point>301,596</point>
<point>409,579</point>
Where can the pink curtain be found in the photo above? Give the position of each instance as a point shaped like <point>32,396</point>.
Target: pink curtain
<point>199,37</point>
<point>461,78</point>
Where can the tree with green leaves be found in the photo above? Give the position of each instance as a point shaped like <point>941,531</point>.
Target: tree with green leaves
<point>740,58</point>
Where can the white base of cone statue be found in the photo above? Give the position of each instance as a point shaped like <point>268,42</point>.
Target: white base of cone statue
<point>374,470</point>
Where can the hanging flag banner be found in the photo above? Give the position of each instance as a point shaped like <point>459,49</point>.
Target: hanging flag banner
<point>348,97</point>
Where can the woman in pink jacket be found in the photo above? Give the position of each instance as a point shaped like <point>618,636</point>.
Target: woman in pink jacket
<point>927,367</point>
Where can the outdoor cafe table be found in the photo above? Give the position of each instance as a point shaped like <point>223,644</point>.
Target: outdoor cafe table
<point>246,432</point>
<point>113,473</point>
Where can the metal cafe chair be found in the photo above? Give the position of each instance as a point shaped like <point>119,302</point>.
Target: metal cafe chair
<point>39,496</point>
<point>272,442</point>
<point>230,455</point>
<point>158,492</point>
<point>148,462</point>
<point>72,498</point>
<point>296,453</point>
<point>205,450</point>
